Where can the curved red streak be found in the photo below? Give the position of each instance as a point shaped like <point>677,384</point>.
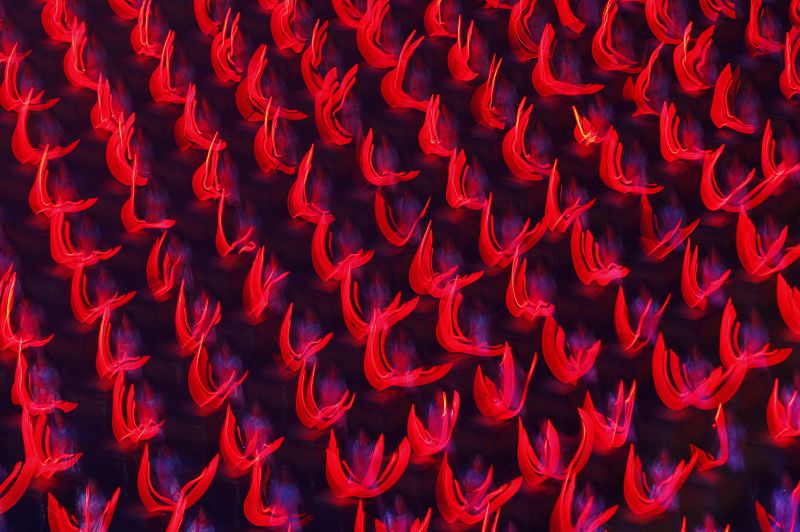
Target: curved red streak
<point>161,276</point>
<point>107,364</point>
<point>448,331</point>
<point>423,441</point>
<point>544,80</point>
<point>374,482</point>
<point>125,416</point>
<point>518,301</point>
<point>519,160</point>
<point>495,401</point>
<point>257,288</point>
<point>634,340</point>
<point>722,113</point>
<point>611,430</point>
<point>282,26</point>
<point>657,242</point>
<point>312,415</point>
<point>455,508</point>
<point>293,359</point>
<point>392,83</point>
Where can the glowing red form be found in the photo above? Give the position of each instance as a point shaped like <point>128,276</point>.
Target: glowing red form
<point>634,338</point>
<point>763,255</point>
<point>611,429</point>
<point>544,80</point>
<point>433,439</point>
<point>10,97</point>
<point>496,400</point>
<point>24,395</point>
<point>21,145</point>
<point>191,336</point>
<point>75,68</point>
<point>130,220</point>
<point>294,358</point>
<point>783,416</point>
<point>733,352</point>
<point>392,88</point>
<point>469,507</point>
<point>492,252</point>
<point>462,191</point>
<point>758,42</point>
<point>695,295</point>
<point>143,39</point>
<point>613,172</point>
<point>712,9</point>
<point>648,501</point>
<point>435,20</point>
<point>665,29</point>
<point>678,388</point>
<point>555,218</point>
<point>266,148</point>
<point>379,176</point>
<point>691,62</point>
<point>188,131</point>
<point>84,310</point>
<point>162,88</point>
<point>262,514</point>
<point>360,325</point>
<point>368,36</point>
<point>329,102</point>
<point>567,368</point>
<point>63,251</point>
<point>299,204</point>
<point>60,520</point>
<point>707,461</point>
<point>206,391</point>
<point>381,373</point>
<point>483,104</point>
<point>674,146</point>
<point>59,20</point>
<point>326,266</point>
<point>108,363</point>
<point>225,51</point>
<point>250,98</point>
<point>522,42</point>
<point>397,231</point>
<point>282,22</point>
<point>637,91</point>
<point>790,79</point>
<point>380,526</point>
<point>522,302</point>
<point>191,492</point>
<point>436,136</point>
<point>562,519</point>
<point>458,58</point>
<point>516,150</point>
<point>424,280</point>
<point>788,298</point>
<point>312,58</point>
<point>258,287</point>
<point>162,272</point>
<point>722,105</point>
<point>239,453</point>
<point>204,15</point>
<point>309,412</point>
<point>448,329</point>
<point>592,264</point>
<point>344,482</point>
<point>658,242</point>
<point>130,422</point>
<point>604,52</point>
